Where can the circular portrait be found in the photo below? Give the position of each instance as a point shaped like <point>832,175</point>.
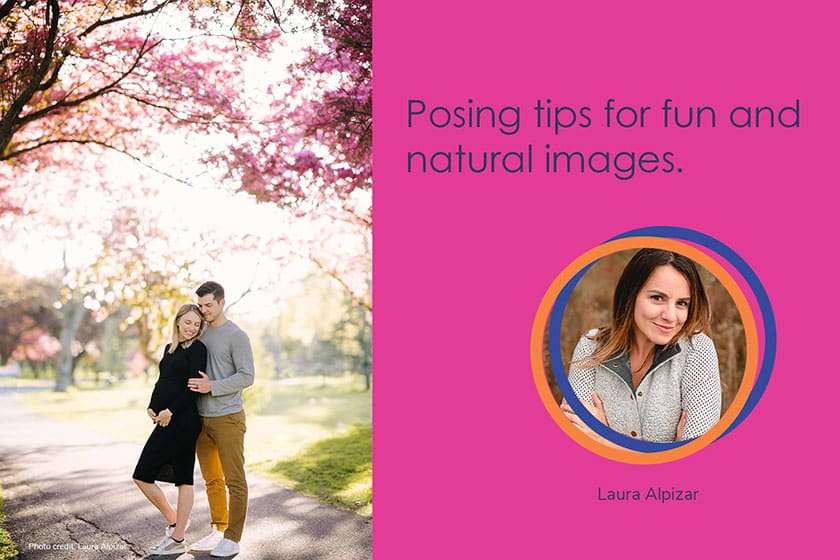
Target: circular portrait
<point>653,347</point>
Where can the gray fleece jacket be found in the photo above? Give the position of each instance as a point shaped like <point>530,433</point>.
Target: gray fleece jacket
<point>684,376</point>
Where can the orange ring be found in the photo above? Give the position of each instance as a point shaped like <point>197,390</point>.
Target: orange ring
<point>541,322</point>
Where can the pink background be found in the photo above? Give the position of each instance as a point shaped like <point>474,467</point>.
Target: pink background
<point>467,461</point>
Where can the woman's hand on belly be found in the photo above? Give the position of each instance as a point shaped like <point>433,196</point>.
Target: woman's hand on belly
<point>163,417</point>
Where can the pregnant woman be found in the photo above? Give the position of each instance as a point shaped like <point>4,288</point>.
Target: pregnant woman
<point>169,453</point>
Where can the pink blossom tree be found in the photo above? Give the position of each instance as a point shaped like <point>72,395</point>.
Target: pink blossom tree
<point>25,306</point>
<point>315,142</point>
<point>113,74</point>
<point>311,152</point>
<point>36,348</point>
<point>83,79</point>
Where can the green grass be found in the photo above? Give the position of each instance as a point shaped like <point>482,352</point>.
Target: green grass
<point>307,434</point>
<point>8,551</point>
<point>336,470</point>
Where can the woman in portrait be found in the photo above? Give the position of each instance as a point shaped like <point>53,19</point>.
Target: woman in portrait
<point>652,373</point>
<point>169,453</point>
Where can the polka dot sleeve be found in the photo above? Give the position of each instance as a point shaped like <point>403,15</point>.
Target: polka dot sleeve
<point>700,387</point>
<point>582,380</point>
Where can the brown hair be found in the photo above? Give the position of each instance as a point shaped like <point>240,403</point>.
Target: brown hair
<point>183,310</point>
<point>617,337</point>
<point>211,287</point>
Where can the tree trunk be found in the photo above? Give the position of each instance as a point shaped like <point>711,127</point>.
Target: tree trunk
<point>71,319</point>
<point>365,343</point>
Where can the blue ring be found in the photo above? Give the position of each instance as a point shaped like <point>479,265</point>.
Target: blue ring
<point>763,378</point>
<point>768,318</point>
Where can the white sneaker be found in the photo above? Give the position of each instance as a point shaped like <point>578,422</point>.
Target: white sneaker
<point>208,543</point>
<point>226,547</point>
<point>171,528</point>
<point>169,546</point>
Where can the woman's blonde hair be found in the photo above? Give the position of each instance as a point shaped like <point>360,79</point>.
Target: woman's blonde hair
<point>183,310</point>
<point>617,337</point>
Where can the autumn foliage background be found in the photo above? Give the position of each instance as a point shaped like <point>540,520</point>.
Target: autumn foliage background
<point>590,306</point>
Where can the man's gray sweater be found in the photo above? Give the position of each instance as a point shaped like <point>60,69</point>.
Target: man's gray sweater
<point>230,367</point>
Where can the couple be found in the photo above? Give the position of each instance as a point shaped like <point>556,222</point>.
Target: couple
<point>200,413</point>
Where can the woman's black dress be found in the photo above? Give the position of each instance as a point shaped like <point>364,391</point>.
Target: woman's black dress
<point>169,453</point>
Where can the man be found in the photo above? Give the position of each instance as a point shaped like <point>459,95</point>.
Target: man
<point>221,445</point>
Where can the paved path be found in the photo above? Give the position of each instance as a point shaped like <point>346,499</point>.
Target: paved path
<point>68,495</point>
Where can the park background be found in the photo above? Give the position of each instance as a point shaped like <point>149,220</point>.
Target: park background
<point>148,147</point>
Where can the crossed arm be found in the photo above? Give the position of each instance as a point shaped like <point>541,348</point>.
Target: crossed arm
<point>597,410</point>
